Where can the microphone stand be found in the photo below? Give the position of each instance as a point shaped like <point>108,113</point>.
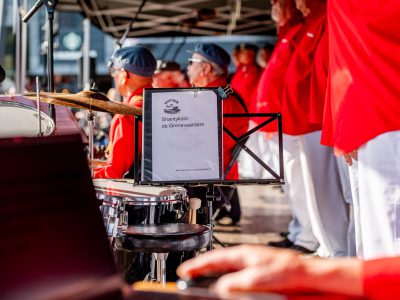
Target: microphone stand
<point>51,7</point>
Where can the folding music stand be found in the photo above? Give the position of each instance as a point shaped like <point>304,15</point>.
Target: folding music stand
<point>53,241</point>
<point>278,178</point>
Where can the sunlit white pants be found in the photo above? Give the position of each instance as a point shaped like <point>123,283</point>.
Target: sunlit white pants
<point>266,149</point>
<point>300,229</point>
<point>319,195</point>
<point>378,177</point>
<point>347,194</point>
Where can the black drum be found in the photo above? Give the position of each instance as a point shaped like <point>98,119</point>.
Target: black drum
<point>180,241</point>
<point>123,203</point>
<point>142,204</point>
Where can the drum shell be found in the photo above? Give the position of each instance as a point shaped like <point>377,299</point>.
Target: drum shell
<point>141,204</point>
<point>135,266</point>
<point>159,212</point>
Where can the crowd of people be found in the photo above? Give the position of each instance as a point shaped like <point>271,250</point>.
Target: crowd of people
<point>333,75</point>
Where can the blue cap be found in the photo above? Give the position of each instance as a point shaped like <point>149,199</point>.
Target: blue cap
<point>135,59</point>
<point>214,54</point>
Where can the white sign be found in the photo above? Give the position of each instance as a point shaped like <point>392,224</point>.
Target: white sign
<point>185,136</point>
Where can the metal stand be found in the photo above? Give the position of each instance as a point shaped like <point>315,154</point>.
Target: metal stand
<point>161,267</point>
<point>51,7</point>
<point>90,120</point>
<point>211,196</point>
<point>40,133</point>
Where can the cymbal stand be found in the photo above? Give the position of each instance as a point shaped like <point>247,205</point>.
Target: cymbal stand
<point>51,7</point>
<point>211,196</point>
<point>40,133</point>
<point>91,121</point>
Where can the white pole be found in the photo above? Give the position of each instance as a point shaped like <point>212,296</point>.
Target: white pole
<point>17,24</point>
<point>24,52</point>
<point>86,55</point>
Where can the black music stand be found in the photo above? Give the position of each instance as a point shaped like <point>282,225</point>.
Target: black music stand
<point>53,243</point>
<point>278,178</point>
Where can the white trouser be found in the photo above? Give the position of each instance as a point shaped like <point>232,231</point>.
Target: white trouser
<point>248,167</point>
<point>356,208</point>
<point>327,206</point>
<point>317,201</point>
<point>300,232</point>
<point>263,148</point>
<point>379,195</point>
<point>347,194</point>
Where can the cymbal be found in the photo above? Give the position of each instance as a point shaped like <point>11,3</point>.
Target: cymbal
<point>94,163</point>
<point>89,100</point>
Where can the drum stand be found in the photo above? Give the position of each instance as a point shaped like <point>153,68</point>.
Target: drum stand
<point>90,120</point>
<point>161,267</point>
<point>211,197</point>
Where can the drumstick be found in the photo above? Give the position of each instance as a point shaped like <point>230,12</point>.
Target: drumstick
<point>194,205</point>
<point>38,105</point>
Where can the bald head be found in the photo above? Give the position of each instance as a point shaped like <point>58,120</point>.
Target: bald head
<point>283,11</point>
<point>308,6</point>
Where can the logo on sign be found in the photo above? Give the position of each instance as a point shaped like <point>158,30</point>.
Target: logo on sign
<point>171,106</point>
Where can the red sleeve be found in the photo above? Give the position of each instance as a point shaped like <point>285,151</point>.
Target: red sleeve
<point>327,123</point>
<point>364,62</point>
<point>237,126</point>
<point>296,94</point>
<point>121,155</point>
<point>269,91</point>
<point>245,81</point>
<point>382,278</point>
<point>318,81</point>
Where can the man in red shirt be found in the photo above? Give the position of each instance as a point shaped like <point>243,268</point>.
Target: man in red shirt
<point>208,67</point>
<point>245,79</point>
<point>132,69</point>
<point>268,95</point>
<point>316,199</point>
<point>318,90</point>
<point>270,99</point>
<point>363,115</point>
<point>169,75</point>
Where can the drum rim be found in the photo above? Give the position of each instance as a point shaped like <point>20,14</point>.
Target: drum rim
<point>25,106</point>
<point>143,199</point>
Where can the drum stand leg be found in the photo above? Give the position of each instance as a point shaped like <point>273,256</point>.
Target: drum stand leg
<point>210,195</point>
<point>90,120</point>
<point>210,198</point>
<point>161,259</point>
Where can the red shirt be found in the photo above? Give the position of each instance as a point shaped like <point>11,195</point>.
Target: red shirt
<point>245,81</point>
<point>319,77</point>
<point>122,142</point>
<point>296,95</point>
<point>382,278</point>
<point>237,126</point>
<point>364,62</point>
<point>270,86</point>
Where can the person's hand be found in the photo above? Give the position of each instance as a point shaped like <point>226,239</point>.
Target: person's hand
<point>263,269</point>
<point>269,135</point>
<point>248,268</point>
<point>348,157</point>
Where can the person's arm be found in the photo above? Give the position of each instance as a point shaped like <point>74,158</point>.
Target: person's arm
<point>121,155</point>
<point>382,278</point>
<point>263,269</point>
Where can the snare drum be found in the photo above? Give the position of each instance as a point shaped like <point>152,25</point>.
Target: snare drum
<point>143,204</point>
<point>17,119</point>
